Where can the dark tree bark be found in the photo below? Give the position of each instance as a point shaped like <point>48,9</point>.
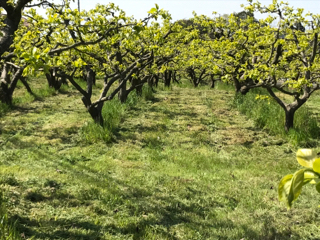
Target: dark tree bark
<point>26,84</point>
<point>8,82</point>
<point>291,108</point>
<point>289,119</point>
<point>237,84</point>
<point>213,81</point>
<point>136,82</point>
<point>5,96</point>
<point>156,80</point>
<point>51,79</point>
<point>122,95</point>
<point>196,80</point>
<point>54,79</point>
<point>96,114</point>
<point>167,78</point>
<point>11,21</point>
<point>95,111</point>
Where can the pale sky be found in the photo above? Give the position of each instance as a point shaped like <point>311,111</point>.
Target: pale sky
<point>182,9</point>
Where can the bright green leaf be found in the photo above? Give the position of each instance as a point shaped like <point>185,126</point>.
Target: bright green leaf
<point>296,186</point>
<point>34,51</point>
<point>306,157</point>
<point>284,188</point>
<point>153,11</point>
<point>316,165</point>
<point>311,177</point>
<point>290,187</point>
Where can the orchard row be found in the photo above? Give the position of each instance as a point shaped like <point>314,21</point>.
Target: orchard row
<point>279,52</point>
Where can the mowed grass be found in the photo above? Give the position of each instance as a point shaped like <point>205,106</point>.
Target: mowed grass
<point>182,165</point>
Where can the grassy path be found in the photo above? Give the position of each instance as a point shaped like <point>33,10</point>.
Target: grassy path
<point>183,166</point>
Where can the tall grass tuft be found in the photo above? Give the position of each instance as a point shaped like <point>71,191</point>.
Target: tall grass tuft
<point>268,115</point>
<point>113,113</point>
<point>4,108</point>
<point>7,229</point>
<point>45,91</point>
<point>147,93</point>
<point>224,86</point>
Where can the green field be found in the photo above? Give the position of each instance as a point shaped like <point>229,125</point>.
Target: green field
<point>183,164</point>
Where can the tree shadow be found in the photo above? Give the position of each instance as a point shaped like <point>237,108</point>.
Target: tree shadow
<point>151,208</point>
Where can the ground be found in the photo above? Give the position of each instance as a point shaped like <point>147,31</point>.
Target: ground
<point>183,165</point>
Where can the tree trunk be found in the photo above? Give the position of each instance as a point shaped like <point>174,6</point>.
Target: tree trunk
<point>122,95</point>
<point>156,80</point>
<point>5,96</point>
<point>289,119</point>
<point>96,114</point>
<point>11,22</point>
<point>26,84</point>
<point>52,79</point>
<point>139,87</point>
<point>212,81</point>
<point>289,109</point>
<point>167,78</point>
<point>90,79</point>
<point>237,84</point>
<point>7,85</point>
<point>175,77</point>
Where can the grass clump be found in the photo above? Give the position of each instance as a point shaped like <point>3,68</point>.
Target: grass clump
<point>7,229</point>
<point>4,108</point>
<point>147,93</point>
<point>113,112</point>
<point>268,115</point>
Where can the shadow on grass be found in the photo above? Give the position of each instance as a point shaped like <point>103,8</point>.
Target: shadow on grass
<point>138,202</point>
<point>154,210</point>
<point>168,217</point>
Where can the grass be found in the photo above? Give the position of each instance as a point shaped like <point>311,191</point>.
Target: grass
<point>267,114</point>
<point>4,108</point>
<point>7,228</point>
<point>183,165</point>
<point>113,114</point>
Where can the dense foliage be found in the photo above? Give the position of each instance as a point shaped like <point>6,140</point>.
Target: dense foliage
<point>279,53</point>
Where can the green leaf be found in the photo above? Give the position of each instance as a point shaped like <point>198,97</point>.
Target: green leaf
<point>153,11</point>
<point>311,177</point>
<point>34,51</point>
<point>297,182</point>
<point>290,187</point>
<point>306,157</point>
<point>296,186</point>
<point>284,187</point>
<point>138,29</point>
<point>316,165</point>
<point>25,55</point>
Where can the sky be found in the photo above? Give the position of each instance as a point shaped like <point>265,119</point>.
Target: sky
<point>182,9</point>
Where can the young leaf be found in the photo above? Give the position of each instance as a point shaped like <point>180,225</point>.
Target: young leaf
<point>153,11</point>
<point>34,51</point>
<point>297,183</point>
<point>284,188</point>
<point>290,187</point>
<point>316,165</point>
<point>311,177</point>
<point>306,157</point>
